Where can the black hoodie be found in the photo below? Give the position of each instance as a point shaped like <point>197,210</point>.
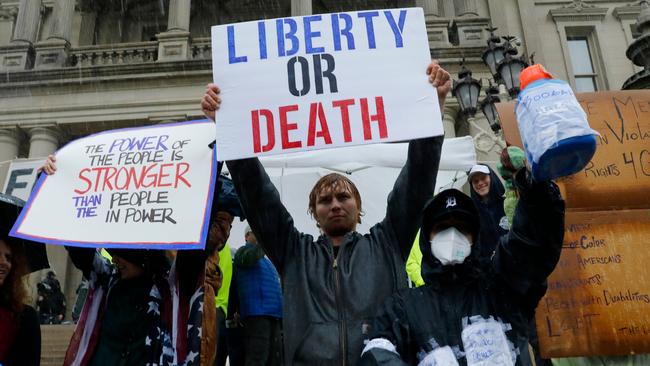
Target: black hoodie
<point>503,294</point>
<point>494,222</point>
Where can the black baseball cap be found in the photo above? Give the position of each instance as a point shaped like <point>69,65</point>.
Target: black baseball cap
<point>451,203</point>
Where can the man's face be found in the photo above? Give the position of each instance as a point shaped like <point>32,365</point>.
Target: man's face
<point>126,269</point>
<point>481,184</point>
<point>219,231</point>
<point>6,260</point>
<point>250,238</point>
<point>337,211</point>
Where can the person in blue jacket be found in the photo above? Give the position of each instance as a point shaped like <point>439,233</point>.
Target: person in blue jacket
<point>256,296</point>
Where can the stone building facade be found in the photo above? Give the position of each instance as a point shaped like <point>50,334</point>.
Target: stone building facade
<point>69,68</point>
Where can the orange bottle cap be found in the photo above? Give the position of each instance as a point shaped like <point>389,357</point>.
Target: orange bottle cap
<point>533,73</point>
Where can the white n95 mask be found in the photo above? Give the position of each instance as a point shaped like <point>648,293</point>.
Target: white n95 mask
<point>450,246</point>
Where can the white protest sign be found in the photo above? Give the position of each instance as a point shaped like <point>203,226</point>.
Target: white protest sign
<point>148,187</point>
<point>322,81</point>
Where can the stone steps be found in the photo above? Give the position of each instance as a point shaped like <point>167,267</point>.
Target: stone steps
<point>54,343</point>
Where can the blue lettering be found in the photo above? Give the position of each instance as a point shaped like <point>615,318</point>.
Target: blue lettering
<point>309,34</point>
<point>368,15</point>
<point>261,31</point>
<point>396,28</point>
<point>291,36</point>
<point>337,32</point>
<point>232,58</point>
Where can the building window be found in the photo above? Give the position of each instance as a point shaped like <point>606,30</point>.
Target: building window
<point>582,63</point>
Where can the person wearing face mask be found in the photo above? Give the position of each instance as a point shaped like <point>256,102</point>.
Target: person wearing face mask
<point>469,313</point>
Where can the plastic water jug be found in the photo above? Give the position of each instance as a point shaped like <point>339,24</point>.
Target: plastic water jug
<point>553,126</point>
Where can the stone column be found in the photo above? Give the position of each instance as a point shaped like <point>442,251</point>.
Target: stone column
<point>44,140</point>
<point>179,15</point>
<point>29,15</point>
<point>449,121</point>
<point>174,44</point>
<point>465,7</point>
<point>53,52</point>
<point>19,55</point>
<point>301,7</point>
<point>429,6</point>
<point>9,143</point>
<point>470,25</point>
<point>436,25</point>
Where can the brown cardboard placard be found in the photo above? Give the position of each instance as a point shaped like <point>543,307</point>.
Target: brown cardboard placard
<point>598,299</point>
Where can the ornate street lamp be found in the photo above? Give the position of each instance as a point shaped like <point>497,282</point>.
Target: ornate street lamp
<point>509,69</point>
<point>494,52</point>
<point>489,109</point>
<point>466,90</point>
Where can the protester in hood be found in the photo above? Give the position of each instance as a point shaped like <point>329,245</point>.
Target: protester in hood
<point>468,313</point>
<point>51,301</point>
<point>20,334</point>
<point>140,311</point>
<point>334,284</point>
<point>487,193</point>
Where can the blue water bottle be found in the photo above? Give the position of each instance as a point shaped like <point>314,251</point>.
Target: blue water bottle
<point>553,126</point>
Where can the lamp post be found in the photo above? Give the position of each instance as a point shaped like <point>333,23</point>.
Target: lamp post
<point>494,52</point>
<point>509,68</point>
<point>466,90</point>
<point>489,109</point>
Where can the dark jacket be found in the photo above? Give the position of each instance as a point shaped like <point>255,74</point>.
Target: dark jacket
<point>26,347</point>
<point>505,294</point>
<point>494,222</point>
<point>328,301</point>
<point>256,284</point>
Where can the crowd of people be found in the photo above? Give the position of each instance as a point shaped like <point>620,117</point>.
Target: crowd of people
<point>286,297</point>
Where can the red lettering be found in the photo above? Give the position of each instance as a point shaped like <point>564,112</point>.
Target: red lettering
<point>270,130</point>
<point>162,175</point>
<point>380,118</point>
<point>285,127</point>
<point>144,173</point>
<point>107,182</point>
<point>89,183</point>
<point>99,174</point>
<point>179,174</point>
<point>314,109</point>
<point>345,116</point>
<point>127,178</point>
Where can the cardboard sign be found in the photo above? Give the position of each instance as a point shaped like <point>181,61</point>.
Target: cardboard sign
<point>598,298</point>
<point>323,81</point>
<point>619,173</point>
<point>21,177</point>
<point>148,187</point>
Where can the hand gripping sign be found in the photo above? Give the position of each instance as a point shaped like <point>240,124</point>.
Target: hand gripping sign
<point>148,187</point>
<point>322,81</point>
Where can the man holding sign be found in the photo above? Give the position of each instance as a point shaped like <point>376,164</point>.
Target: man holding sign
<point>333,285</point>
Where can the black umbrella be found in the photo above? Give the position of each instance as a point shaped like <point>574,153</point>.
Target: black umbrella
<point>35,252</point>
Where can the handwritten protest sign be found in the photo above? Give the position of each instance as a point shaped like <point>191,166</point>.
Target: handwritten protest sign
<point>321,81</point>
<point>598,297</point>
<point>148,187</point>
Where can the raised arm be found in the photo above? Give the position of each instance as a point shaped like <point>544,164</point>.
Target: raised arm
<point>416,182</point>
<point>527,255</point>
<point>271,222</point>
<point>267,216</point>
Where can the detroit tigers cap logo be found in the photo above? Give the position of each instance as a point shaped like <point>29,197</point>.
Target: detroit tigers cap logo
<point>451,202</point>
